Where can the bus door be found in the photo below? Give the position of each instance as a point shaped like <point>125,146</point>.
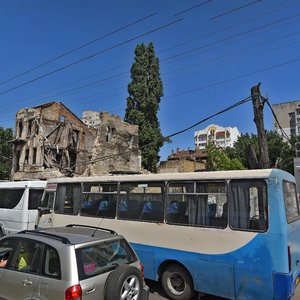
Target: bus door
<point>34,201</point>
<point>46,210</point>
<point>293,229</point>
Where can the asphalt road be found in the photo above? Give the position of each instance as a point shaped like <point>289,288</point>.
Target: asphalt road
<point>156,293</point>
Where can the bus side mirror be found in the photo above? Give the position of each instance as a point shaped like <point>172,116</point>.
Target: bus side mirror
<point>44,211</point>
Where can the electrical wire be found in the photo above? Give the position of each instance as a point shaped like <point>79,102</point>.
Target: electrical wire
<point>78,48</point>
<point>91,56</point>
<point>235,9</point>
<point>191,8</point>
<point>165,138</point>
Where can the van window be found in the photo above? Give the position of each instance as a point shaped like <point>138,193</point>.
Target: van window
<point>35,197</point>
<point>10,198</point>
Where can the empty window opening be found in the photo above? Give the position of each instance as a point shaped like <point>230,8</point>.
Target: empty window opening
<point>20,128</point>
<point>34,156</point>
<point>30,124</point>
<point>17,166</point>
<point>26,156</point>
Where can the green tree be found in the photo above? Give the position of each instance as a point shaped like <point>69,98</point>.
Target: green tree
<point>281,153</point>
<point>145,92</point>
<point>218,160</point>
<point>242,147</point>
<point>6,135</point>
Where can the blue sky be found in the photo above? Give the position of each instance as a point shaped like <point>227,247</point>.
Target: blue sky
<point>211,53</point>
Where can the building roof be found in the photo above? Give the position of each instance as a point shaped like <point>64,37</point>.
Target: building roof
<point>187,154</point>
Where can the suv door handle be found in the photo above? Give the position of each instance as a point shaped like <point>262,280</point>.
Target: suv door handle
<point>27,282</point>
<point>90,289</point>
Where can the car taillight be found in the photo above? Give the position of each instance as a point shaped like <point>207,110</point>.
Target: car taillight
<point>142,270</point>
<point>73,292</point>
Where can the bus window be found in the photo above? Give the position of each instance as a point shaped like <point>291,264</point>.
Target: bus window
<point>10,198</point>
<point>248,205</point>
<point>291,203</point>
<point>68,198</point>
<point>141,202</point>
<point>35,197</point>
<point>99,200</point>
<point>197,203</point>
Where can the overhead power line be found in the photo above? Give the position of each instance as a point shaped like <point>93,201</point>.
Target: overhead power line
<point>102,158</point>
<point>191,8</point>
<point>91,56</point>
<point>77,48</point>
<point>211,116</point>
<point>242,33</point>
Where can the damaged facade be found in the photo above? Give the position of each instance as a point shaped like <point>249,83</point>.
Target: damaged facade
<point>184,161</point>
<point>51,141</point>
<point>116,147</point>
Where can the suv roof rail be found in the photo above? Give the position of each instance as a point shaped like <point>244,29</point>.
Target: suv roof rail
<point>93,227</point>
<point>64,240</point>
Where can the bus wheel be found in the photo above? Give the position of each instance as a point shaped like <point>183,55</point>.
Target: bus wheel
<point>1,232</point>
<point>177,283</point>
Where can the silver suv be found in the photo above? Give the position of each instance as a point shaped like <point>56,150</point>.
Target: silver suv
<point>74,262</point>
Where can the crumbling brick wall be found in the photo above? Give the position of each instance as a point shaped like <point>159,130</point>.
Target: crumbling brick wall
<point>52,142</point>
<point>116,147</point>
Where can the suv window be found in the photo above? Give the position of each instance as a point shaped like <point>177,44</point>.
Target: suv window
<point>51,263</point>
<point>100,258</point>
<point>26,256</point>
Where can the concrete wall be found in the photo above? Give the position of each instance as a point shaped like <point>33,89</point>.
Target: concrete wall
<point>181,166</point>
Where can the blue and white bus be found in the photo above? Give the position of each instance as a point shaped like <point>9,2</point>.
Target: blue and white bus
<point>234,234</point>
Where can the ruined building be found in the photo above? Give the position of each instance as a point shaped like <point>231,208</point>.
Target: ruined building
<point>51,141</point>
<point>184,161</point>
<point>116,147</point>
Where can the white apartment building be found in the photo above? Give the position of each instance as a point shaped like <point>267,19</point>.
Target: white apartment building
<point>216,135</point>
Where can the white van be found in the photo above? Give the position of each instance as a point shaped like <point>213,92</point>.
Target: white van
<point>19,202</point>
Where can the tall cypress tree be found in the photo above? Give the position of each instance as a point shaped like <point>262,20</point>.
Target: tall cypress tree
<point>145,91</point>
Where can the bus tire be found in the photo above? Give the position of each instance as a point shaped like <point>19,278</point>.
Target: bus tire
<point>1,232</point>
<point>177,283</point>
<point>124,280</point>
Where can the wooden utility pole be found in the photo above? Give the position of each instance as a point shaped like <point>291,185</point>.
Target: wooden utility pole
<point>258,106</point>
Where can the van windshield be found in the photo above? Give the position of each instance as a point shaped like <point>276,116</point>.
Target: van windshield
<point>10,198</point>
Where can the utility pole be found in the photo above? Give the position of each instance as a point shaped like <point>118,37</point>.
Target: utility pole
<point>258,105</point>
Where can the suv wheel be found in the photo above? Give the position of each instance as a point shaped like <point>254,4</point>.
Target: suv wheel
<point>124,282</point>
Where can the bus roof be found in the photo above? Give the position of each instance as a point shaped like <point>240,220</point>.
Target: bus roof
<point>215,175</point>
<point>23,184</point>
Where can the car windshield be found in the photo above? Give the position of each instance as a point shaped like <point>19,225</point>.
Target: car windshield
<point>102,257</point>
